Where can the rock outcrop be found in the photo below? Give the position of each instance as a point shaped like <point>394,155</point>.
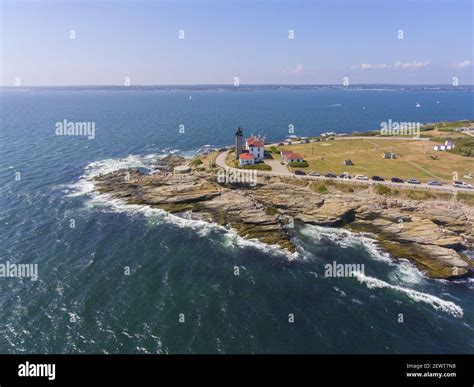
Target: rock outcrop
<point>432,234</point>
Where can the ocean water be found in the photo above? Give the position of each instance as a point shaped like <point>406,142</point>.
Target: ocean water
<point>83,302</point>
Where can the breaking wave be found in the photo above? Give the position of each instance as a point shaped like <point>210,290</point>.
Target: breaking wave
<point>346,239</point>
<point>85,186</point>
<point>436,302</point>
<point>405,271</point>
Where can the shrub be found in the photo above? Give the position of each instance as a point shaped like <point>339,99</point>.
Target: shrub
<point>196,162</point>
<point>319,187</point>
<point>274,149</point>
<point>322,189</point>
<point>258,167</point>
<point>383,189</point>
<point>464,146</point>
<point>298,164</point>
<point>267,155</point>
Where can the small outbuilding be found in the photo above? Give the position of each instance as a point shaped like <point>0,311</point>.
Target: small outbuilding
<point>389,155</point>
<point>291,157</point>
<point>448,145</point>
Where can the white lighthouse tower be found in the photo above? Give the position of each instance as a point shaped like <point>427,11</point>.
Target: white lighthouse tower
<point>239,136</point>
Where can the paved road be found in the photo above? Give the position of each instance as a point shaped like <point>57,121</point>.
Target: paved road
<point>220,162</point>
<point>220,159</point>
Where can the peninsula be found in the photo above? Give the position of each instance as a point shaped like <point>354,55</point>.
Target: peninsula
<point>432,230</point>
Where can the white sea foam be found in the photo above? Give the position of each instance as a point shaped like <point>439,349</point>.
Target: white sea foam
<point>405,271</point>
<point>346,239</point>
<point>234,240</point>
<point>341,292</point>
<point>436,302</point>
<point>86,186</point>
<point>230,238</point>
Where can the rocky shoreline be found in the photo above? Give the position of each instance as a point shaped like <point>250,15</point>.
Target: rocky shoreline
<point>433,234</point>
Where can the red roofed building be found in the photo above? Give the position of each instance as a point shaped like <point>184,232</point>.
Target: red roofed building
<point>256,147</point>
<point>290,157</point>
<point>255,141</point>
<point>246,159</point>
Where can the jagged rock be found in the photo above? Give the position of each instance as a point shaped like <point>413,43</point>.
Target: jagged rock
<point>432,234</point>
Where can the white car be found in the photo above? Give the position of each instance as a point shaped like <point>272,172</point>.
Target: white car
<point>314,174</point>
<point>461,184</point>
<point>361,177</point>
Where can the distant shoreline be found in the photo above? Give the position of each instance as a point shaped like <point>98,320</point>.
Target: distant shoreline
<point>253,87</point>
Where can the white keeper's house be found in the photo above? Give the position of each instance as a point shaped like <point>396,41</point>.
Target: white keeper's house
<point>256,147</point>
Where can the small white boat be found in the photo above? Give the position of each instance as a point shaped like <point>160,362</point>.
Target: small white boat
<point>418,104</point>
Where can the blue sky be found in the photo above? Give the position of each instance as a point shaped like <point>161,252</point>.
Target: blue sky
<point>244,39</point>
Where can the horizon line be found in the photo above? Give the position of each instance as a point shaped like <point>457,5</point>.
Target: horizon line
<point>234,86</point>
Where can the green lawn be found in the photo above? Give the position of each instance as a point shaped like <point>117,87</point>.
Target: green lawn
<point>413,158</point>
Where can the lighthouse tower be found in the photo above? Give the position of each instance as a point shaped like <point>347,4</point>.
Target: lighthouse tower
<point>239,136</point>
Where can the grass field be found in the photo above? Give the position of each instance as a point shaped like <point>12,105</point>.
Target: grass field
<point>415,159</point>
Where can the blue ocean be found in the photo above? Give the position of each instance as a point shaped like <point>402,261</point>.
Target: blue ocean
<point>130,279</point>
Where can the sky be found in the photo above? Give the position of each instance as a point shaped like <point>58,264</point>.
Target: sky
<point>139,42</point>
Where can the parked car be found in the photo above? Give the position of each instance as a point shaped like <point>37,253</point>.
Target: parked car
<point>461,184</point>
<point>345,176</point>
<point>435,182</point>
<point>299,172</point>
<point>330,175</point>
<point>413,181</point>
<point>396,180</point>
<point>314,174</point>
<point>377,178</point>
<point>280,144</point>
<point>361,177</point>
